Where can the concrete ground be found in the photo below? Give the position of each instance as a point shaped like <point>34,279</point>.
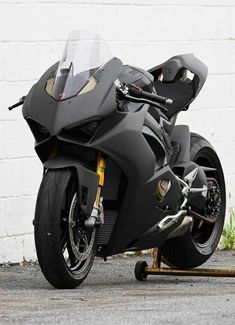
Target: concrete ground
<point>111,295</point>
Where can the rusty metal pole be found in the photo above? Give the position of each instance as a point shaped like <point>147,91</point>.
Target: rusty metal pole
<point>156,258</point>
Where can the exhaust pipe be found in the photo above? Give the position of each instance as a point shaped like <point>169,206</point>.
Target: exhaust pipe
<point>182,228</point>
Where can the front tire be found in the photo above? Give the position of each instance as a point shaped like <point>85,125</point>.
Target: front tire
<point>199,243</point>
<point>65,249</point>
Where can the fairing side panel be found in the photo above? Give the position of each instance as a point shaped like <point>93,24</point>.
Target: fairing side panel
<point>121,138</point>
<point>142,214</point>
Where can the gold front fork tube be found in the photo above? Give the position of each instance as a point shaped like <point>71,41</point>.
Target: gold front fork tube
<point>100,169</point>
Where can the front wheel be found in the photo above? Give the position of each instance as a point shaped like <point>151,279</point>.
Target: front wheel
<point>65,248</point>
<point>199,243</point>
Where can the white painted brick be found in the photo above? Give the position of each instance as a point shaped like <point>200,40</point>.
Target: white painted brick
<point>20,61</point>
<point>22,22</point>
<point>134,2</point>
<point>124,51</point>
<point>131,24</point>
<point>1,61</point>
<point>20,176</point>
<point>184,2</point>
<point>62,26</point>
<point>107,2</point>
<point>214,124</point>
<point>212,94</point>
<point>230,186</point>
<point>12,92</point>
<point>17,248</point>
<point>139,2</point>
<point>187,23</point>
<point>217,55</point>
<point>232,22</point>
<point>3,209</point>
<point>17,139</point>
<point>17,214</point>
<point>104,20</point>
<point>148,55</point>
<point>46,57</point>
<point>226,152</point>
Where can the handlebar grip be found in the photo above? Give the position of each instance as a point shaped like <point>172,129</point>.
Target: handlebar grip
<point>21,102</point>
<point>157,98</point>
<point>15,105</point>
<point>138,92</point>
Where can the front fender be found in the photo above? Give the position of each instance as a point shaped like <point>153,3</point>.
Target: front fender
<point>88,180</point>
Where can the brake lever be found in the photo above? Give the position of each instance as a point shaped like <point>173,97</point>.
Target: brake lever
<point>136,91</point>
<point>20,102</point>
<point>123,90</point>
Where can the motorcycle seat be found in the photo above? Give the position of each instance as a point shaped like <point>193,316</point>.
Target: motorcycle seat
<point>180,91</point>
<point>181,79</point>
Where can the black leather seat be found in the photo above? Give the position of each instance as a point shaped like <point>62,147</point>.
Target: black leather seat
<point>180,91</point>
<point>172,80</point>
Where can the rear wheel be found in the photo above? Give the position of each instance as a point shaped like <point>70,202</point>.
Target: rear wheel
<point>65,248</point>
<point>199,243</point>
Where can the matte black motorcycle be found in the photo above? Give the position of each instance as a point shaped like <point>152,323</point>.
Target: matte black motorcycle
<point>119,175</point>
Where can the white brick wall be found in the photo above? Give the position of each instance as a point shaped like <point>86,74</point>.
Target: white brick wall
<point>140,32</point>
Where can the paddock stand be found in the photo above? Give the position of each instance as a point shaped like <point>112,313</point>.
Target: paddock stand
<point>142,270</point>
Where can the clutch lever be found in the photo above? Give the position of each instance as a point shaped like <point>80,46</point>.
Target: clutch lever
<point>145,101</point>
<point>126,92</point>
<point>136,91</point>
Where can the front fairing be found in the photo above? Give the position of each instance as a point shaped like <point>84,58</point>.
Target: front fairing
<point>55,115</point>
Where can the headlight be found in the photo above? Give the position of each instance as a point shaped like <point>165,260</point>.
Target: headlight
<point>82,133</point>
<point>39,131</point>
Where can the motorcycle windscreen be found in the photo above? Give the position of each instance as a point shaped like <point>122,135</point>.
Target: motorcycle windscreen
<point>84,54</point>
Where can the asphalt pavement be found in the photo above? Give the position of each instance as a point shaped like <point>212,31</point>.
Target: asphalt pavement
<point>111,295</point>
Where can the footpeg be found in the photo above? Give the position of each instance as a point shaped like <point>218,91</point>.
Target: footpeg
<point>170,220</point>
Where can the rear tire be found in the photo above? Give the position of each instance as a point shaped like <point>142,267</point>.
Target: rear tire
<point>59,232</point>
<point>199,243</point>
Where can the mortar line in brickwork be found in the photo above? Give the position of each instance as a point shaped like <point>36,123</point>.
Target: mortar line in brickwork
<point>210,109</point>
<point>221,73</point>
<point>11,120</point>
<point>16,235</point>
<point>141,41</point>
<point>16,158</point>
<point>132,4</point>
<point>17,196</point>
<point>17,81</point>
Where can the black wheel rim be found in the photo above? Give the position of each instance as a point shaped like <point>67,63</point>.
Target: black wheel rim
<point>203,233</point>
<point>77,242</point>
